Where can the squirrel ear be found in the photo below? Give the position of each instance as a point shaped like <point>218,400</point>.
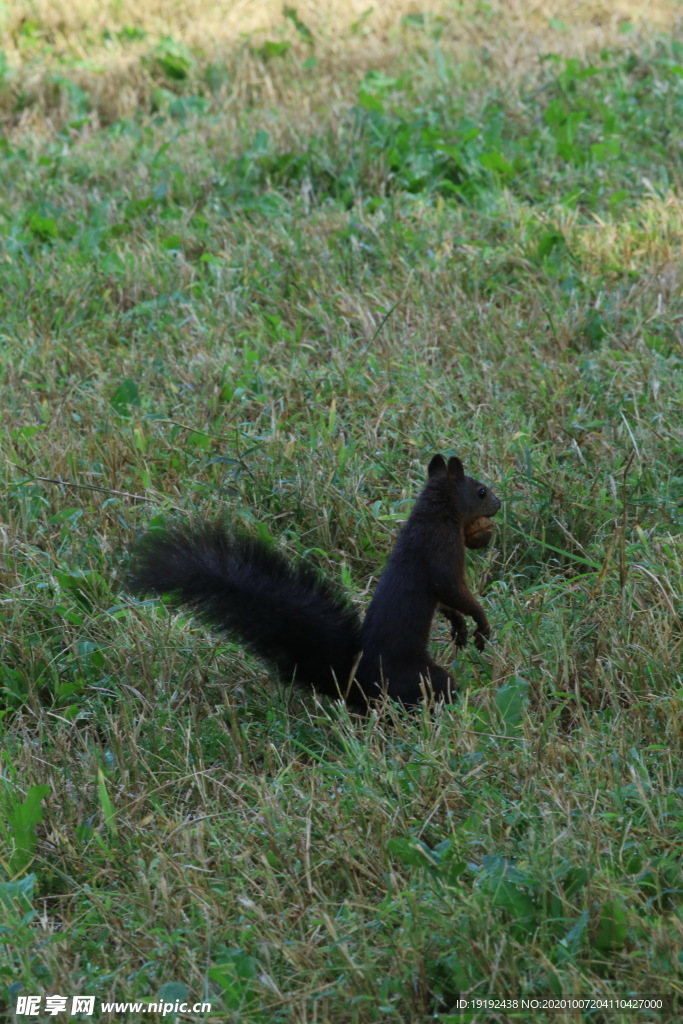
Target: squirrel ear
<point>455,469</point>
<point>437,465</point>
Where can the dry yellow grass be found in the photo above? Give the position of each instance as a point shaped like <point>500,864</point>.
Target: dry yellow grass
<point>41,38</point>
<point>76,27</point>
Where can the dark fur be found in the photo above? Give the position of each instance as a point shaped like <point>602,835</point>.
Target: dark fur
<point>283,612</point>
<point>300,622</point>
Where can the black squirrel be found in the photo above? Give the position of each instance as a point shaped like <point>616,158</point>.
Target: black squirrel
<point>300,622</point>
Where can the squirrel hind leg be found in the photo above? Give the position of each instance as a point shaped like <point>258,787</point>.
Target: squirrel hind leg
<point>438,685</point>
<point>417,684</point>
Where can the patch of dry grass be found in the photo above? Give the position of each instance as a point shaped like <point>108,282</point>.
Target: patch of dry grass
<point>109,50</point>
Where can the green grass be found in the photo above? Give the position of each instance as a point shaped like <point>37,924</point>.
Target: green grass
<point>275,311</point>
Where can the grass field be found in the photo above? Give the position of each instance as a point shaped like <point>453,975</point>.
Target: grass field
<point>260,263</point>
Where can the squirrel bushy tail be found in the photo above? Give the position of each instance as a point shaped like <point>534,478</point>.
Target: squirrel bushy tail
<point>281,610</point>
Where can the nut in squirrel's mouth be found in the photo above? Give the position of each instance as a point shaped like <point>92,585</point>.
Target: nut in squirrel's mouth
<point>478,533</point>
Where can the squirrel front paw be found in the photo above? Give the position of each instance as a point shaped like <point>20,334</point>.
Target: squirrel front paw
<point>481,637</point>
<point>459,634</point>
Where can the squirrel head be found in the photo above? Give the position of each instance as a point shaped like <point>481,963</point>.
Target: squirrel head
<point>467,498</point>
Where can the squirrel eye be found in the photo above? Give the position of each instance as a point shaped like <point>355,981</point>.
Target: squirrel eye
<point>482,492</point>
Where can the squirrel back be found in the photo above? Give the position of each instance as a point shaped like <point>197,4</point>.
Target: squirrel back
<point>304,626</point>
